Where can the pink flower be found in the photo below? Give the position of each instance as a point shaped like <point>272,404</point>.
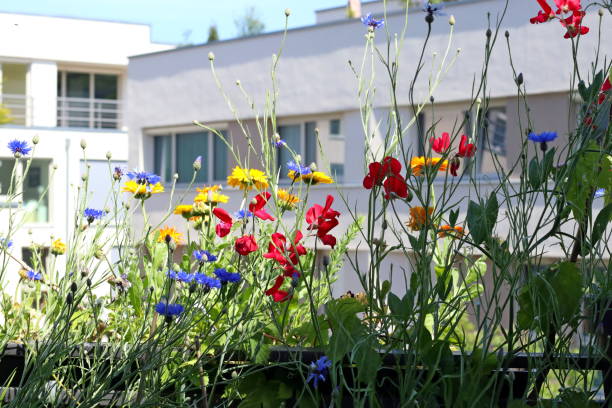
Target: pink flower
<point>323,219</point>
<point>225,225</point>
<point>466,149</point>
<point>245,245</point>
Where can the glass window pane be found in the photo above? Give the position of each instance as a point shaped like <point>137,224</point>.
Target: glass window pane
<point>311,143</point>
<point>77,85</point>
<point>337,171</point>
<point>162,157</point>
<point>188,147</point>
<point>219,157</point>
<point>334,127</point>
<point>105,86</point>
<point>6,171</point>
<point>291,135</point>
<point>35,197</point>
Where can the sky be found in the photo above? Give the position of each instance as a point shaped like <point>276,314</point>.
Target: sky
<point>178,21</point>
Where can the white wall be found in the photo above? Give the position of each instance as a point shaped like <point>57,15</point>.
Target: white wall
<point>42,89</point>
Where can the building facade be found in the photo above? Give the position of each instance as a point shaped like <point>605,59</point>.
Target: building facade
<point>63,80</point>
<point>318,89</point>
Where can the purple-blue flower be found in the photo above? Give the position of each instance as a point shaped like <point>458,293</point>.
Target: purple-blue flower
<point>204,256</point>
<point>372,22</point>
<point>169,309</point>
<point>279,143</point>
<point>144,177</point>
<point>180,276</point>
<point>225,276</point>
<point>33,276</point>
<point>242,214</point>
<point>92,214</point>
<point>318,371</point>
<point>172,274</point>
<point>5,243</point>
<point>19,147</point>
<point>433,9</point>
<point>600,192</point>
<point>543,137</point>
<point>118,173</point>
<point>298,168</point>
<point>207,281</point>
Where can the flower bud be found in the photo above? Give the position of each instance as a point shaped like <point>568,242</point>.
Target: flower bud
<point>35,139</point>
<point>83,144</point>
<point>99,254</point>
<point>507,34</point>
<point>69,298</point>
<point>175,176</point>
<point>298,158</point>
<point>109,155</point>
<point>489,33</point>
<point>211,56</point>
<point>451,20</point>
<point>197,164</point>
<point>325,260</point>
<point>519,79</point>
<point>287,12</point>
<point>238,83</point>
<point>73,287</point>
<point>600,12</point>
<point>313,166</point>
<point>429,18</point>
<point>88,282</point>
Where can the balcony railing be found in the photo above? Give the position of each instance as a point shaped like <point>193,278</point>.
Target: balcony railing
<point>19,108</point>
<point>88,113</point>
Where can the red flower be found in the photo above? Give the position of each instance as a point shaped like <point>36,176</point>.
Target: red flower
<point>284,253</point>
<point>574,25</point>
<point>565,6</point>
<point>387,174</point>
<point>605,88</point>
<point>440,144</point>
<point>454,165</point>
<point>257,206</point>
<point>277,294</point>
<point>225,225</point>
<point>323,219</point>
<point>466,149</point>
<point>245,245</point>
<point>543,17</point>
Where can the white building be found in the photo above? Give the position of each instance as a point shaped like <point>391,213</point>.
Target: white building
<point>167,90</point>
<point>63,80</point>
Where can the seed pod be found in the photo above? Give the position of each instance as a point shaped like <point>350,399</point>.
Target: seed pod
<point>489,33</point>
<point>69,299</point>
<point>73,287</point>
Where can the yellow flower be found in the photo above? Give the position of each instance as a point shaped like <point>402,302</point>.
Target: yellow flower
<point>167,234</point>
<point>286,200</point>
<point>142,191</point>
<point>184,209</point>
<point>210,194</point>
<point>417,164</point>
<point>455,231</point>
<point>316,177</point>
<point>418,217</point>
<point>58,247</point>
<point>246,179</point>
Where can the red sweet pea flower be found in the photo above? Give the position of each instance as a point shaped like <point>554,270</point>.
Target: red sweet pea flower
<point>440,144</point>
<point>565,6</point>
<point>605,88</point>
<point>245,245</point>
<point>544,16</point>
<point>257,206</point>
<point>285,253</point>
<point>466,149</point>
<point>277,294</point>
<point>225,225</point>
<point>323,219</point>
<point>574,25</point>
<point>387,174</point>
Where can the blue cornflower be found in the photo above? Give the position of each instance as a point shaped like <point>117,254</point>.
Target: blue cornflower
<point>19,147</point>
<point>172,274</point>
<point>144,177</point>
<point>33,276</point>
<point>600,192</point>
<point>118,173</point>
<point>5,243</point>
<point>298,168</point>
<point>242,214</point>
<point>204,256</point>
<point>207,281</point>
<point>279,143</point>
<point>225,276</point>
<point>433,9</point>
<point>169,309</point>
<point>186,277</point>
<point>542,137</point>
<point>92,214</point>
<point>372,22</point>
<point>318,370</point>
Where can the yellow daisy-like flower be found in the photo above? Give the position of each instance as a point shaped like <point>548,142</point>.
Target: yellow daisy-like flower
<point>286,199</point>
<point>455,231</point>
<point>167,234</point>
<point>418,217</point>
<point>142,191</point>
<point>58,247</point>
<point>210,194</point>
<point>184,209</point>
<point>246,179</point>
<point>316,177</point>
<point>417,164</point>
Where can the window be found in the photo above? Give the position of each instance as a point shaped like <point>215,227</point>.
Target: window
<point>491,139</point>
<point>175,153</point>
<point>301,139</point>
<point>13,93</point>
<point>334,128</point>
<point>337,171</point>
<point>35,196</point>
<point>88,100</point>
<point>100,181</point>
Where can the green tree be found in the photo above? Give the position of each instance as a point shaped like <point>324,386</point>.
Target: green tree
<point>249,24</point>
<point>213,33</point>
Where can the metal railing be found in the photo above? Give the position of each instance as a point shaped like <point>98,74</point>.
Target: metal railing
<point>88,113</point>
<point>19,108</point>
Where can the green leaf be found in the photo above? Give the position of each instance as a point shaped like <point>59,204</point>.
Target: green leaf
<point>481,218</point>
<point>476,271</point>
<point>284,391</point>
<point>583,91</point>
<point>345,325</point>
<point>452,218</point>
<point>600,224</point>
<point>593,170</point>
<point>368,362</point>
<point>386,287</point>
<point>534,173</point>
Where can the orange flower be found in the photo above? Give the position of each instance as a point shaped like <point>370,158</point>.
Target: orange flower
<point>417,164</point>
<point>418,217</point>
<point>167,234</point>
<point>455,231</point>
